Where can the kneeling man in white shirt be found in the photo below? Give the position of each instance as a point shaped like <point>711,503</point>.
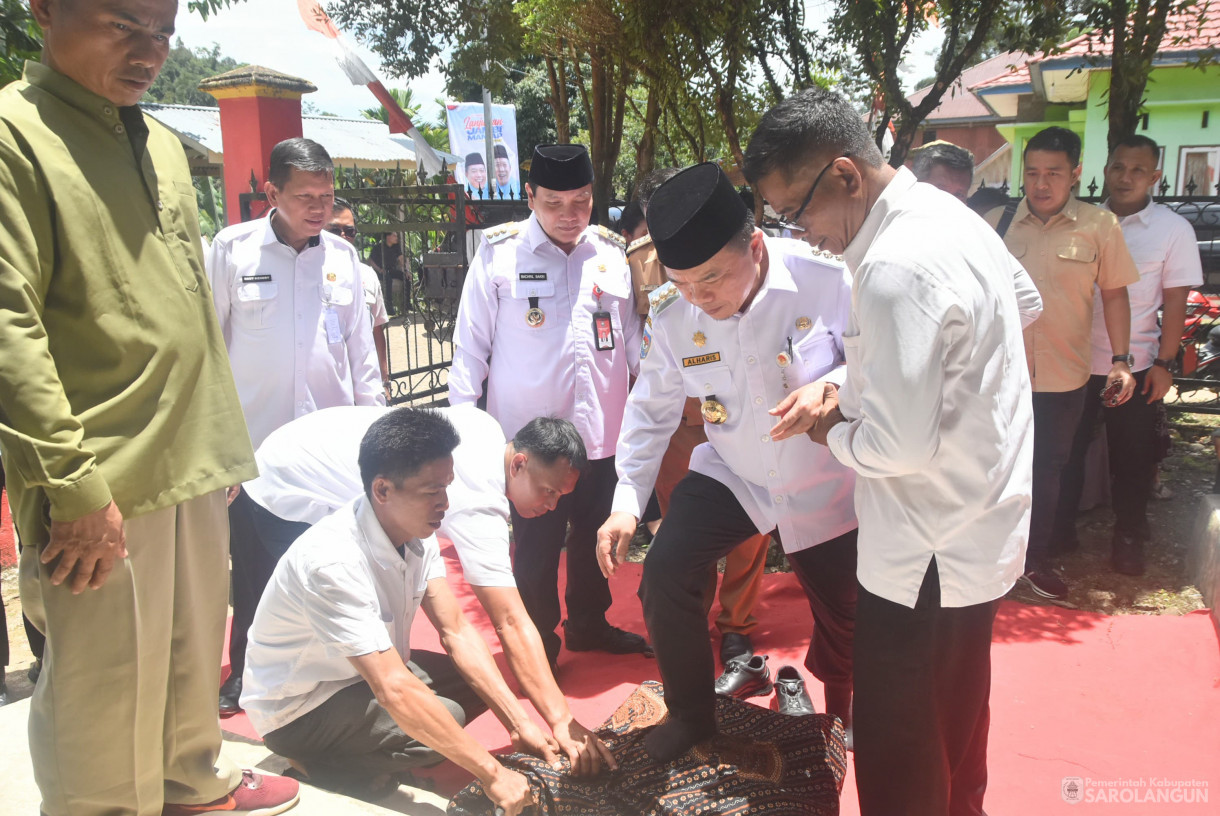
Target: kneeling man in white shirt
<point>326,681</point>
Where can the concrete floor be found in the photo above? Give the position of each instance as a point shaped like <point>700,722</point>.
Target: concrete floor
<point>20,797</point>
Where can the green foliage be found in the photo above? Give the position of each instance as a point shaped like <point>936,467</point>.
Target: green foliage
<point>20,39</point>
<point>184,69</point>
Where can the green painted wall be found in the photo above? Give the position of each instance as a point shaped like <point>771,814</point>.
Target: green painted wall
<point>1176,99</point>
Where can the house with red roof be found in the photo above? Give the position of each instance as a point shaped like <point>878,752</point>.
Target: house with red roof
<point>963,119</point>
<point>1069,88</point>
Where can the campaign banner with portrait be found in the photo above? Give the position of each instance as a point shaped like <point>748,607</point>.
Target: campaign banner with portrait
<point>499,176</point>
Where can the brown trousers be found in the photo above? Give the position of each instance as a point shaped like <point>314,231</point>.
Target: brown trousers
<point>123,719</point>
<point>743,567</point>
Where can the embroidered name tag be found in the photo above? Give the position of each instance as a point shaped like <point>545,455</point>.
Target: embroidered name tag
<point>531,276</point>
<point>702,359</point>
<point>255,278</point>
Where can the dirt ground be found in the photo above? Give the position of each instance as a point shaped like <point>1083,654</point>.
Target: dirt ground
<point>1165,588</point>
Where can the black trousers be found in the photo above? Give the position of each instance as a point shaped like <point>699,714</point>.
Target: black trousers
<point>1056,417</point>
<point>923,679</point>
<point>257,540</point>
<point>1131,438</point>
<point>704,523</point>
<point>351,739</point>
<point>538,543</point>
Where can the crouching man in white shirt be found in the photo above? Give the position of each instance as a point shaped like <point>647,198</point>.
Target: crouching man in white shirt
<point>326,681</point>
<point>936,419</point>
<point>308,469</point>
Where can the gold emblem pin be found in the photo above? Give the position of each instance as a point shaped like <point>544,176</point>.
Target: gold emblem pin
<point>803,323</point>
<point>535,317</point>
<point>330,276</point>
<point>713,411</point>
<point>700,339</point>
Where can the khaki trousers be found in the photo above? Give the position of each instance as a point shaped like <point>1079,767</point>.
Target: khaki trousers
<point>743,567</point>
<point>123,718</point>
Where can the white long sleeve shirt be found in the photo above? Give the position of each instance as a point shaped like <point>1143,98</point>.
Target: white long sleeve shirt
<point>309,468</point>
<point>553,369</point>
<point>794,485</point>
<point>295,325</point>
<point>938,399</point>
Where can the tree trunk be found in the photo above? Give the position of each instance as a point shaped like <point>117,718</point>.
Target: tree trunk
<point>599,133</point>
<point>557,74</point>
<point>646,150</point>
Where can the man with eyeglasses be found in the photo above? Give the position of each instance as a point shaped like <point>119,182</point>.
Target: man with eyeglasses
<point>343,224</point>
<point>291,307</point>
<point>935,417</point>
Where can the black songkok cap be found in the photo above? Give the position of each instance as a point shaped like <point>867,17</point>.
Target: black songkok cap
<point>561,167</point>
<point>694,215</point>
<point>474,159</point>
<point>501,152</point>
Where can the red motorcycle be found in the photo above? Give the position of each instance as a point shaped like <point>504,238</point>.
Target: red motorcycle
<point>1199,356</point>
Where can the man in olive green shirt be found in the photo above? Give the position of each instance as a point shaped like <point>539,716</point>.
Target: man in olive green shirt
<point>117,419</point>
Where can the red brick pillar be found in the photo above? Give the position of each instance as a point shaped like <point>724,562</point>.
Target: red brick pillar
<point>259,108</point>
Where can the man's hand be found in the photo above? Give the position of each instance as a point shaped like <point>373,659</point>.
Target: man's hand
<point>86,548</point>
<point>584,750</point>
<point>831,418</point>
<point>613,539</point>
<point>231,494</point>
<point>1121,373</point>
<point>799,410</point>
<point>528,738</point>
<point>509,792</point>
<point>1156,383</point>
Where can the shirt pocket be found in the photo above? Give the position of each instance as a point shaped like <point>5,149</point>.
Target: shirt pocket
<point>816,352</point>
<point>1078,251</point>
<point>705,381</point>
<point>336,295</point>
<point>1076,269</point>
<point>255,305</point>
<point>518,305</point>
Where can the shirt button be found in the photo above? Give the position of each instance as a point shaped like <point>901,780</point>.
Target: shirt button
<point>119,129</point>
<point>107,111</point>
<point>758,400</point>
<point>765,438</point>
<point>750,360</point>
<point>772,473</point>
<point>779,499</point>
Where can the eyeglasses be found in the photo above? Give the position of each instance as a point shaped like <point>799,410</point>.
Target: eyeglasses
<point>790,223</point>
<point>346,232</point>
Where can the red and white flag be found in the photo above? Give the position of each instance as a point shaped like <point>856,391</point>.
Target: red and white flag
<point>359,74</point>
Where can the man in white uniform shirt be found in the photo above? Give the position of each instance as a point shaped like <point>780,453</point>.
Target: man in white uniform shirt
<point>1163,246</point>
<point>308,469</point>
<point>547,318</point>
<point>328,686</point>
<point>291,307</point>
<point>757,318</point>
<point>935,417</point>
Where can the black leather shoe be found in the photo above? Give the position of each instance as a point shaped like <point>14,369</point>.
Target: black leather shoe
<point>605,638</point>
<point>790,695</point>
<point>35,671</point>
<point>745,678</point>
<point>1127,555</point>
<point>733,646</point>
<point>230,696</point>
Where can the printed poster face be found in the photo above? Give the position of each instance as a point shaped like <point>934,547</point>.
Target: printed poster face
<point>498,175</point>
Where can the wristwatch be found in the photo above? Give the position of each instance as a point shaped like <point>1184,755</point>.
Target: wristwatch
<point>1165,364</point>
<point>1128,358</point>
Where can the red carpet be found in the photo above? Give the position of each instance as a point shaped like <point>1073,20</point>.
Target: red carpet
<point>1128,699</point>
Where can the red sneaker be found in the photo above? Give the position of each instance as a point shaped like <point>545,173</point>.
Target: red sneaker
<point>258,795</point>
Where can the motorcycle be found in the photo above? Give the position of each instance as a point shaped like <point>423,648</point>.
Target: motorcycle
<point>1199,354</point>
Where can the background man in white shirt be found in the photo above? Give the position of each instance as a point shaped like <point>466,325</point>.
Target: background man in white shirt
<point>547,320</point>
<point>935,417</point>
<point>328,686</point>
<point>757,317</point>
<point>343,224</point>
<point>308,469</point>
<point>1163,246</point>
<point>291,307</point>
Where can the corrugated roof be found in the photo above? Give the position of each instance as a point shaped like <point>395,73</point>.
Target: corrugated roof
<point>1184,34</point>
<point>959,102</point>
<point>347,141</point>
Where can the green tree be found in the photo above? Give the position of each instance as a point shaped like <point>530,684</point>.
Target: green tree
<point>184,69</point>
<point>879,34</point>
<point>20,39</point>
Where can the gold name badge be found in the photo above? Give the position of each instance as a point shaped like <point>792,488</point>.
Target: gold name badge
<point>702,359</point>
